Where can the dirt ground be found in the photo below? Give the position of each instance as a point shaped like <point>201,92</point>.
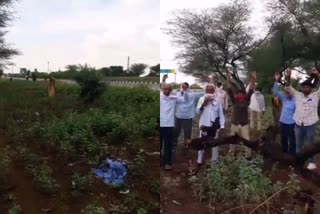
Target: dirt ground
<point>31,201</point>
<point>176,193</point>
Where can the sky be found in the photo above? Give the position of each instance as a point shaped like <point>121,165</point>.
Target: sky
<point>168,51</point>
<point>98,32</point>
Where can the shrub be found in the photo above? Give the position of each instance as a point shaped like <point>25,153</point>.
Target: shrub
<point>15,209</point>
<point>42,178</point>
<point>233,179</point>
<point>91,86</point>
<point>80,183</point>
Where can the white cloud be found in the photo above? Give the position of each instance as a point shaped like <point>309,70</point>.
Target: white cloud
<point>98,33</point>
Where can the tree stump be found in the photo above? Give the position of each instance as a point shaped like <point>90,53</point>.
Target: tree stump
<point>51,87</point>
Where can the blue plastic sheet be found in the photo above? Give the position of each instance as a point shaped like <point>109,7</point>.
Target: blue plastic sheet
<point>112,172</point>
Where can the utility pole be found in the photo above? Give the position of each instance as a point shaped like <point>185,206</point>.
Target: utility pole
<point>128,63</point>
<point>48,67</point>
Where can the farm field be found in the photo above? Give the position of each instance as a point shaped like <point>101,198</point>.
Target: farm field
<point>49,146</point>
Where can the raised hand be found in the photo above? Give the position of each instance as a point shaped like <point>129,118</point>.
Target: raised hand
<point>254,75</point>
<point>288,72</point>
<point>165,77</point>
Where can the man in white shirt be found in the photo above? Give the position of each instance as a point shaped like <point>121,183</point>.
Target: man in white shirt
<point>211,111</point>
<point>306,114</point>
<point>167,108</point>
<point>257,109</point>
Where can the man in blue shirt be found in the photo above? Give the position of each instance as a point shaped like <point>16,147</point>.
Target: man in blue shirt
<point>287,123</point>
<point>185,112</point>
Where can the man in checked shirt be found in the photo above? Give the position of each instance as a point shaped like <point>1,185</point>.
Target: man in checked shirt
<point>306,114</point>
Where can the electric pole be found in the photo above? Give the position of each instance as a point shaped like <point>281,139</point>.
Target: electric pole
<point>128,63</point>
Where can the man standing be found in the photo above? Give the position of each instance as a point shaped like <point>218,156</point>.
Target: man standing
<point>287,122</point>
<point>167,107</point>
<point>210,109</point>
<point>257,108</point>
<point>240,118</point>
<point>185,112</point>
<point>306,114</point>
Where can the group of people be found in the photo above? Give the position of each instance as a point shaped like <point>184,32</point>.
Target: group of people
<point>177,111</point>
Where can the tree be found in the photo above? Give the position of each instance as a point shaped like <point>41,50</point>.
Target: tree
<point>154,71</point>
<point>73,68</point>
<point>106,71</point>
<point>304,17</point>
<point>137,69</point>
<point>117,71</point>
<point>91,86</point>
<point>6,16</point>
<point>214,40</point>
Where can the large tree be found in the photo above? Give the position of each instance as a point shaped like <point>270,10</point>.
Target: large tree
<point>295,40</point>
<point>6,16</point>
<point>137,69</point>
<point>304,18</point>
<point>154,71</point>
<point>214,40</point>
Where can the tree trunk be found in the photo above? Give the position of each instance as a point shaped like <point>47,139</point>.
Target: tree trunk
<point>269,149</point>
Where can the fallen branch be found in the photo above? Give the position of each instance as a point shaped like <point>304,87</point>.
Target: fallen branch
<point>267,147</point>
<point>235,208</point>
<point>269,199</point>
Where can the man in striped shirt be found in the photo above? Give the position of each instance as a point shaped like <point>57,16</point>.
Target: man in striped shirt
<point>306,114</point>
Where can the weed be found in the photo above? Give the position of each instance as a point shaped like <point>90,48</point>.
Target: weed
<point>43,179</point>
<point>155,187</point>
<point>4,164</point>
<point>80,184</point>
<point>15,209</point>
<point>233,179</point>
<point>91,209</point>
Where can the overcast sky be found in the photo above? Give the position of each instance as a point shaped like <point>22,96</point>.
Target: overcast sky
<point>167,51</point>
<point>97,32</point>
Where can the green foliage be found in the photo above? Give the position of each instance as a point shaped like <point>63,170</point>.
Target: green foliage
<point>34,77</point>
<point>234,179</point>
<point>137,69</point>
<point>43,180</point>
<point>138,163</point>
<point>133,204</point>
<point>80,184</point>
<point>91,209</point>
<point>15,209</point>
<point>91,86</point>
<point>5,161</point>
<point>155,187</point>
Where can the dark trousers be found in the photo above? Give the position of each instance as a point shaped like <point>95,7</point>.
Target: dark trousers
<point>166,144</point>
<point>288,138</point>
<point>186,125</point>
<point>305,135</point>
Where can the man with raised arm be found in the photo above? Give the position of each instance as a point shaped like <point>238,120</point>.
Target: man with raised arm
<point>167,107</point>
<point>240,115</point>
<point>185,112</point>
<point>287,123</point>
<point>306,114</point>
